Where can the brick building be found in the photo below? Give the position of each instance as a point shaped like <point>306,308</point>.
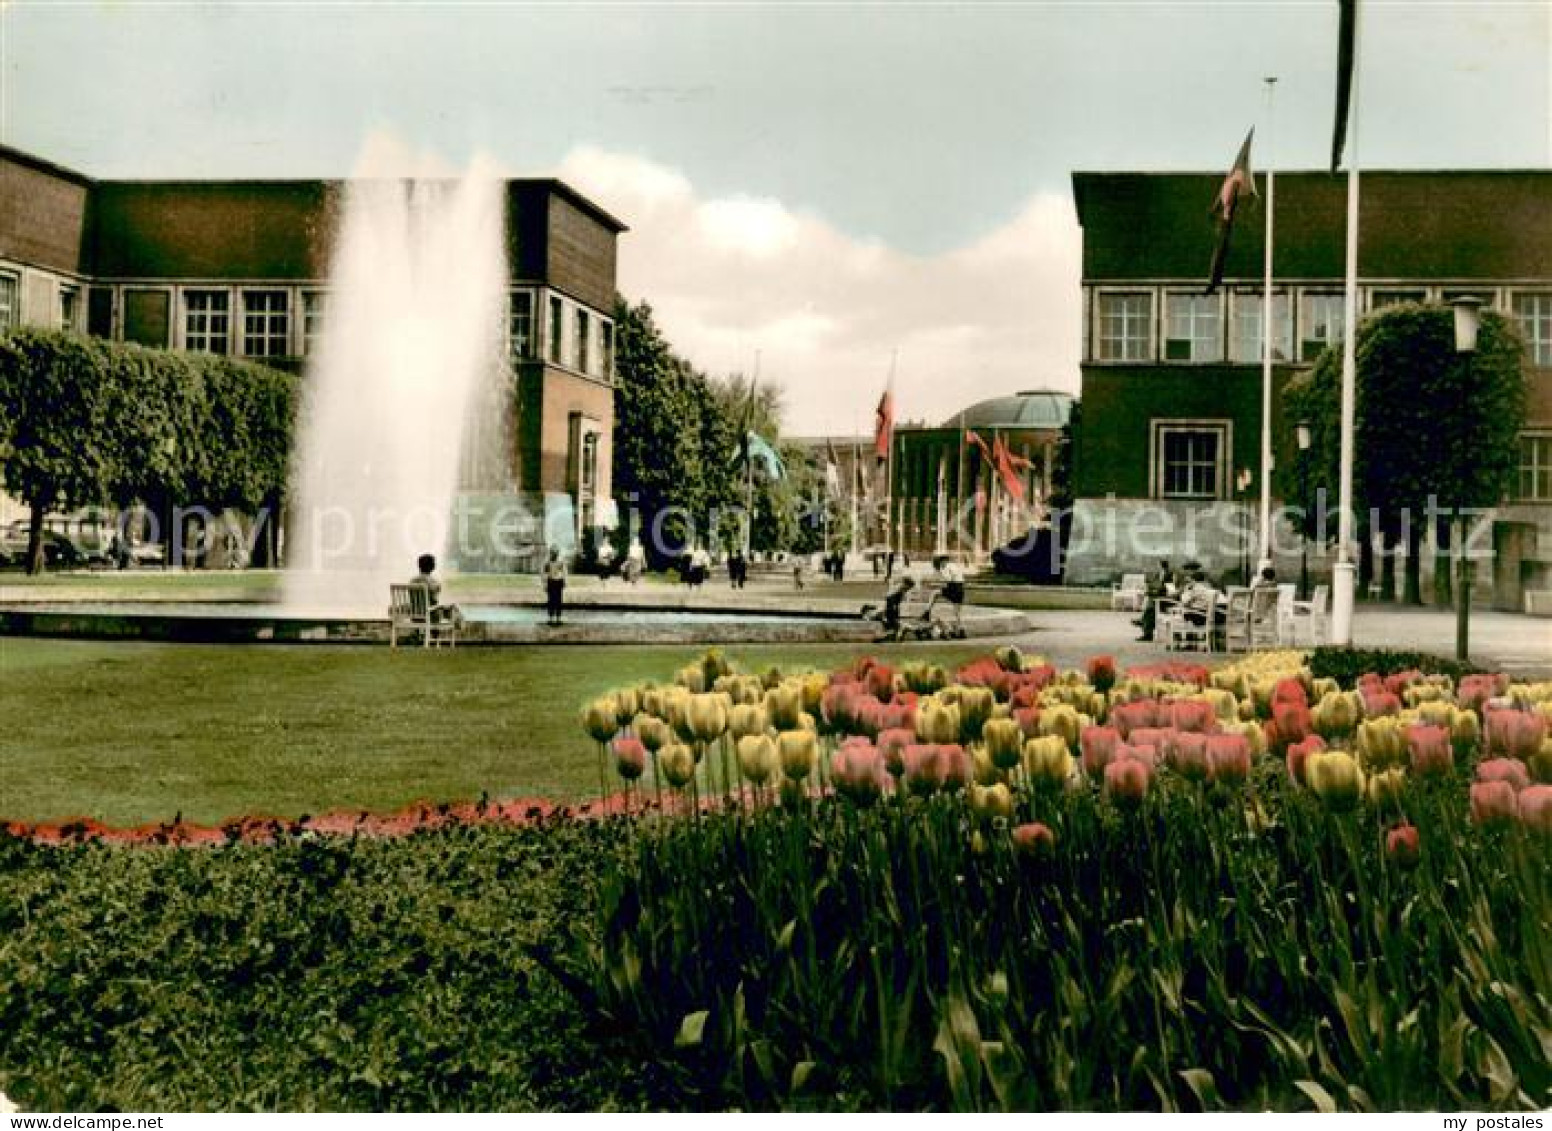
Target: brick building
<point>1172,377</point>
<point>241,268</point>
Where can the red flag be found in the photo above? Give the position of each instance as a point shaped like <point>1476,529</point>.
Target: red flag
<point>975,439</point>
<point>1003,460</point>
<point>1225,205</point>
<point>884,425</point>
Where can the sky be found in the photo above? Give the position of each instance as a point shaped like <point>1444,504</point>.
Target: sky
<point>827,191</point>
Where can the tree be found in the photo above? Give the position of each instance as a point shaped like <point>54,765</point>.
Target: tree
<point>58,451</point>
<point>1436,431</point>
<point>674,445</point>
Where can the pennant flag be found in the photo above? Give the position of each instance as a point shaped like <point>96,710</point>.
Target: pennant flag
<point>975,439</point>
<point>755,450</point>
<point>1235,186</point>
<point>832,469</point>
<point>884,424</point>
<point>1346,34</point>
<point>1002,459</point>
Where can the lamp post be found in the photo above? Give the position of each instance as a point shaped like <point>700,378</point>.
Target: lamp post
<point>1468,320</point>
<point>1242,480</point>
<point>1305,436</point>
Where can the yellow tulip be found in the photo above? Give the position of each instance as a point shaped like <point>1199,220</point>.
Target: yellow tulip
<point>1385,789</point>
<point>992,801</point>
<point>746,719</point>
<point>757,757</point>
<point>677,761</point>
<point>982,768</point>
<point>1541,763</point>
<point>1381,742</point>
<point>937,722</point>
<point>599,719</point>
<point>783,705</point>
<point>654,733</point>
<point>1336,715</point>
<point>1048,761</point>
<point>798,750</point>
<point>708,716</point>
<point>627,701</point>
<point>1335,777</point>
<point>1004,742</point>
<point>1063,722</point>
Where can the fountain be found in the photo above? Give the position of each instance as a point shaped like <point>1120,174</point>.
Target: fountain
<point>400,396</point>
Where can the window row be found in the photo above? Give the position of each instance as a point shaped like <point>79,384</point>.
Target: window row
<point>67,309</point>
<point>573,336</point>
<point>1213,328</point>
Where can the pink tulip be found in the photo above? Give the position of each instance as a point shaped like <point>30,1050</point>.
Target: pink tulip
<point>959,769</point>
<point>1028,719</point>
<point>1159,738</point>
<point>1188,755</point>
<point>881,682</point>
<point>1475,690</point>
<point>1403,846</point>
<point>1099,747</point>
<point>1289,692</point>
<point>838,706</point>
<point>858,771</point>
<point>1380,703</point>
<point>1145,753</point>
<point>1525,733</point>
<point>1290,722</point>
<point>1228,758</point>
<point>1493,803</point>
<point>1034,840</point>
<point>1195,715</point>
<point>925,767</point>
<point>1504,770</point>
<point>1536,809</point>
<point>630,757</point>
<point>1126,781</point>
<point>1400,681</point>
<point>1430,750</point>
<point>892,744</point>
<point>1298,754</point>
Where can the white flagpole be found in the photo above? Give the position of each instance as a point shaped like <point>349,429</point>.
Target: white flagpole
<point>890,541</point>
<point>1265,554</point>
<point>959,491</point>
<point>1344,574</point>
<point>749,463</point>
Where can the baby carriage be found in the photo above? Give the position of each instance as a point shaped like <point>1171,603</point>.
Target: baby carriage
<point>909,612</point>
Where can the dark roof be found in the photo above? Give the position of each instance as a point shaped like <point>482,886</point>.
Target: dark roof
<point>1034,409</point>
<point>1445,225</point>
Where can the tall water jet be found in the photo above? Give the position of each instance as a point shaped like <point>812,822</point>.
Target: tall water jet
<point>403,391</point>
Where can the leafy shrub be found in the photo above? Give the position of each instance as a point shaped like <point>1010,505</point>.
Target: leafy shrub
<point>1345,665</point>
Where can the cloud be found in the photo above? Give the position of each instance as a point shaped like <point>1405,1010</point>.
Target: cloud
<point>732,276</point>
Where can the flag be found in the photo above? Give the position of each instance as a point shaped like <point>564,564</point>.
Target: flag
<point>1347,27</point>
<point>832,469</point>
<point>884,424</point>
<point>975,439</point>
<point>1226,205</point>
<point>1002,459</point>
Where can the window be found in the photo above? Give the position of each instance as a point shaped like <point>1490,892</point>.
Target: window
<point>1188,460</point>
<point>1379,300</point>
<point>557,330</point>
<point>1535,484</point>
<point>1194,331</point>
<point>9,315</point>
<point>315,314</point>
<point>205,321</point>
<point>266,324</point>
<point>584,340</point>
<point>69,307</point>
<point>1533,311</point>
<point>1245,335</point>
<point>520,317</point>
<point>1125,327</point>
<point>1320,320</point>
<point>606,350</point>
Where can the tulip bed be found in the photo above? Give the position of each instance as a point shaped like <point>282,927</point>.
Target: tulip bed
<point>1006,887</point>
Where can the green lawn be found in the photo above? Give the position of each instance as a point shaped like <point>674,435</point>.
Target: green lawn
<point>130,732</point>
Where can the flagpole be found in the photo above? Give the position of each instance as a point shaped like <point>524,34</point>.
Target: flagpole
<point>940,543</point>
<point>749,463</point>
<point>959,490</point>
<point>890,541</point>
<point>1266,343</point>
<point>1343,577</point>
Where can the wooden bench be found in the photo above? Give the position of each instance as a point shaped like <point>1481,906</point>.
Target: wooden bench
<point>409,612</point>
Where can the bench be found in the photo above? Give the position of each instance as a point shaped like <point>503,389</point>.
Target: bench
<point>1130,594</point>
<point>409,612</point>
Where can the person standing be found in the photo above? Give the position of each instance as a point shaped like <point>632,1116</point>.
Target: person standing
<point>554,585</point>
<point>951,576</point>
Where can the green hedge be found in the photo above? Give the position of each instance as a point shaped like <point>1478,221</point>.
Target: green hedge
<point>1345,665</point>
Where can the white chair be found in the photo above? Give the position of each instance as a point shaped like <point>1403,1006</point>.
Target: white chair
<point>1130,594</point>
<point>1178,633</point>
<point>409,612</point>
<point>1307,621</point>
<point>1263,622</point>
<point>1237,622</point>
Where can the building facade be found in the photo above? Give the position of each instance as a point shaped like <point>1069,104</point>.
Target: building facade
<point>1170,442</point>
<point>241,268</point>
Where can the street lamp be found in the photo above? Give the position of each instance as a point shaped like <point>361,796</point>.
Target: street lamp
<point>1468,321</point>
<point>1305,435</point>
<point>1242,481</point>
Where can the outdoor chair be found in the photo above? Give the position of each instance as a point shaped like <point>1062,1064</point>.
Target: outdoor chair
<point>1236,621</point>
<point>409,612</point>
<point>1178,633</point>
<point>1264,605</point>
<point>1130,594</point>
<point>1307,621</point>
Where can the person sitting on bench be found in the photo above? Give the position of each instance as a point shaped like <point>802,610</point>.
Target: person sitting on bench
<point>427,579</point>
